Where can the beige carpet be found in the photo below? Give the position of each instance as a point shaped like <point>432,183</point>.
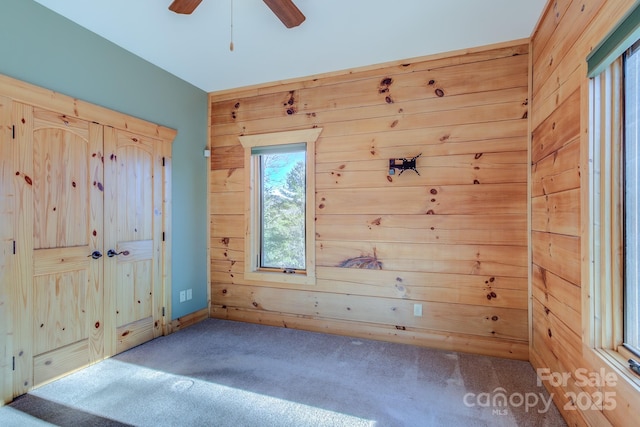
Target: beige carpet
<point>222,373</point>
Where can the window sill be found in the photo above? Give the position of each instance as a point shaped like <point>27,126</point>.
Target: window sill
<point>280,277</point>
<point>618,361</point>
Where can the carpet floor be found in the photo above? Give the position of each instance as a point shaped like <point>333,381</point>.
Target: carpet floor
<point>223,373</point>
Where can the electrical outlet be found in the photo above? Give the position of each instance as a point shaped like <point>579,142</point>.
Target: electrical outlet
<point>183,296</point>
<point>189,294</point>
<point>417,310</point>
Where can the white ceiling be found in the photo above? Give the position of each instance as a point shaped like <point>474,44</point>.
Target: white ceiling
<point>337,34</point>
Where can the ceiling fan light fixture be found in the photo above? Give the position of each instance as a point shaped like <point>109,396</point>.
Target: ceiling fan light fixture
<point>286,11</point>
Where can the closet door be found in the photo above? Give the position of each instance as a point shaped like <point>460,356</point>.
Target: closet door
<point>133,225</point>
<point>60,239</point>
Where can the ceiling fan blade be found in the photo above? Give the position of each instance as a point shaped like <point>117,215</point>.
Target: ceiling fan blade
<point>288,13</point>
<point>185,7</point>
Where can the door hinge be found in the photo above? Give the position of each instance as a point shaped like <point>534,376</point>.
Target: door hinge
<point>162,311</point>
<point>13,132</point>
<point>163,236</point>
<point>14,247</point>
<point>13,363</point>
<point>163,161</point>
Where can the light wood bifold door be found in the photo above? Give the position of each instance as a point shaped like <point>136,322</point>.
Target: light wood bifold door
<point>133,228</point>
<point>90,243</point>
<point>60,237</point>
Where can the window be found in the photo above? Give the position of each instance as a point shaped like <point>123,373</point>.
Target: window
<point>280,206</point>
<point>614,197</point>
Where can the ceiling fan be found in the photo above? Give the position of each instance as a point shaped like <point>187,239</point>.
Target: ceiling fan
<point>285,10</point>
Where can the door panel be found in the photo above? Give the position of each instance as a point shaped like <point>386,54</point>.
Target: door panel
<point>60,185</point>
<point>63,360</point>
<point>134,224</point>
<point>60,315</point>
<point>134,291</point>
<point>65,186</point>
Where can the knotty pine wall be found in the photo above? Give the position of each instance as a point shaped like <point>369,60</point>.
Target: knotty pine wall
<point>453,238</point>
<point>566,33</point>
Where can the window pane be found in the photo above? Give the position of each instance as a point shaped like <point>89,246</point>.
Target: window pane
<point>632,200</point>
<point>283,196</point>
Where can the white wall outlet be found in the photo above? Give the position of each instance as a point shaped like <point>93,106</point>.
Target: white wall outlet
<point>417,310</point>
<point>189,294</point>
<point>183,296</point>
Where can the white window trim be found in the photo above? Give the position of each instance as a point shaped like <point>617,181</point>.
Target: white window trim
<point>252,269</point>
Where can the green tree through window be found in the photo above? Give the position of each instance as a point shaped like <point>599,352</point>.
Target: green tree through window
<point>283,195</point>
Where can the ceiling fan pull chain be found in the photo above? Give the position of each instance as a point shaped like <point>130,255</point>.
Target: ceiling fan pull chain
<point>231,43</point>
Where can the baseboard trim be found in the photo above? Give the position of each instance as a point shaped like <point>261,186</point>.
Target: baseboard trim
<point>518,350</point>
<point>186,320</point>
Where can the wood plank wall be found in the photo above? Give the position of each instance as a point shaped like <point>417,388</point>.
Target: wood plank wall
<point>566,33</point>
<point>453,238</point>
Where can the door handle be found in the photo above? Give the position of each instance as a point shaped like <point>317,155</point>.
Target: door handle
<point>111,253</point>
<point>95,255</point>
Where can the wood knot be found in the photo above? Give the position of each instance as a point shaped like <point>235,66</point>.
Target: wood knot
<point>439,93</point>
<point>385,84</point>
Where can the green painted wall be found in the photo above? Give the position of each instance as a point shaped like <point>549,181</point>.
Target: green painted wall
<point>41,47</point>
